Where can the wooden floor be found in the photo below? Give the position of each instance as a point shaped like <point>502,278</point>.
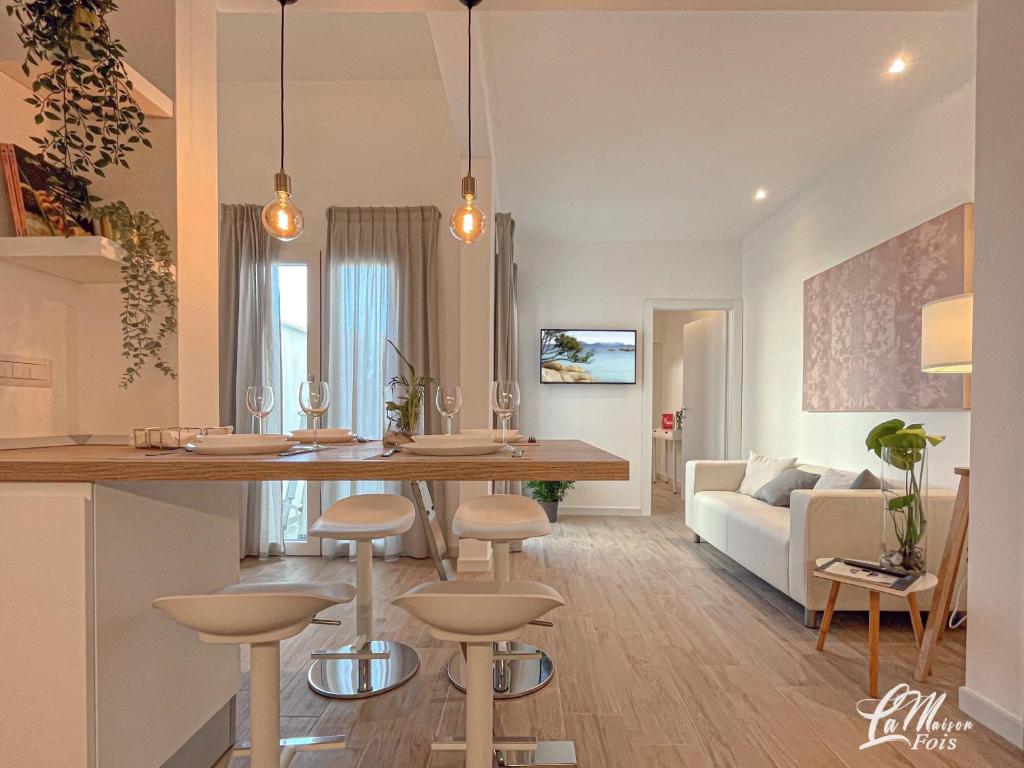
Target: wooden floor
<point>667,655</point>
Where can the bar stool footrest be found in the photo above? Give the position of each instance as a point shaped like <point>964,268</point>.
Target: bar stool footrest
<point>300,744</point>
<point>553,754</point>
<point>357,672</point>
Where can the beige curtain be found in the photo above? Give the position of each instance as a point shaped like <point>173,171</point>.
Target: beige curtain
<point>506,318</point>
<point>381,282</point>
<point>250,354</point>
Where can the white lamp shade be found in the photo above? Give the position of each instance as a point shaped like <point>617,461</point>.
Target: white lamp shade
<point>946,328</point>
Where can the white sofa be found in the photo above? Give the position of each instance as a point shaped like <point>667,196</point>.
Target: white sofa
<point>780,544</point>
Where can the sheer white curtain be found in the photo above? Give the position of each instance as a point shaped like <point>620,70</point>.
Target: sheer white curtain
<point>377,266</point>
<point>250,354</point>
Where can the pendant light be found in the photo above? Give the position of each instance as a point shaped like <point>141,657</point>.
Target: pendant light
<point>281,218</point>
<point>468,222</point>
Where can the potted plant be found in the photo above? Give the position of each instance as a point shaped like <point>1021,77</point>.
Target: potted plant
<point>548,493</point>
<point>903,449</point>
<point>403,402</point>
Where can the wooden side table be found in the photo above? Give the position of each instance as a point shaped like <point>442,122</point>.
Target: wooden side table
<point>923,584</point>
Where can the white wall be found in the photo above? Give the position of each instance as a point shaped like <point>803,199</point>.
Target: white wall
<point>920,167</point>
<point>994,690</point>
<point>74,325</point>
<point>604,285</point>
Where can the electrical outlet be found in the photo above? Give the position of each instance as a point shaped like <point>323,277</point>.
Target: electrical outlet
<point>18,371</point>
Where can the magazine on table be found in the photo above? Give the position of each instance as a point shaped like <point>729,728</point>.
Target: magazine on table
<point>868,572</point>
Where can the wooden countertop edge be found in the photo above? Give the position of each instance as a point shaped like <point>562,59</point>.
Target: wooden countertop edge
<point>105,471</point>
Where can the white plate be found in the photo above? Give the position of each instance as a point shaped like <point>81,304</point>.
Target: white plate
<point>251,449</point>
<point>451,450</point>
<point>325,435</point>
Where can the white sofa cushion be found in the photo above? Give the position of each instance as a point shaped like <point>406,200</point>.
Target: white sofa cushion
<point>757,538</point>
<point>710,515</point>
<point>761,470</point>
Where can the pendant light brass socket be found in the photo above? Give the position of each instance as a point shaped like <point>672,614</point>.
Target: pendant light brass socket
<point>468,187</point>
<point>282,182</point>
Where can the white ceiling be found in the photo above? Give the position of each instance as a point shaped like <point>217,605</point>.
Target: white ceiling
<point>617,126</point>
<point>660,126</point>
<point>327,46</point>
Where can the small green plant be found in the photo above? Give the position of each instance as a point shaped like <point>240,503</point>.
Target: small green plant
<point>549,490</point>
<point>902,446</point>
<point>408,390</point>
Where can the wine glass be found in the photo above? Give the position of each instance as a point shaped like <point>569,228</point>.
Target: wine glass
<point>449,402</point>
<point>314,399</point>
<point>260,402</point>
<point>505,402</point>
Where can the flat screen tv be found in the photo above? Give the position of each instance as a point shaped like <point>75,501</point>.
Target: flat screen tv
<point>575,356</point>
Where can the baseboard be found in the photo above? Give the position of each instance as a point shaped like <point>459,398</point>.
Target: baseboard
<point>992,716</point>
<point>603,511</point>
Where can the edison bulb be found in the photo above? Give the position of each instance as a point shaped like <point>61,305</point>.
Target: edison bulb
<point>468,221</point>
<point>281,217</point>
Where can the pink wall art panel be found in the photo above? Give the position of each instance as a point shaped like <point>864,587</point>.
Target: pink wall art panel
<point>862,321</point>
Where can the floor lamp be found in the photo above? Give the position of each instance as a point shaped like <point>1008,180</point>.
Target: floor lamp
<point>946,330</point>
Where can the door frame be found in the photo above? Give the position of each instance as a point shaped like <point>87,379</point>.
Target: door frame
<point>733,309</point>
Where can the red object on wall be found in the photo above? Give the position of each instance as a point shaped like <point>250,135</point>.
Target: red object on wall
<point>668,421</point>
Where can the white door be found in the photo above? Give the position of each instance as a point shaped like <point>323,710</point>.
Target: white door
<point>704,360</point>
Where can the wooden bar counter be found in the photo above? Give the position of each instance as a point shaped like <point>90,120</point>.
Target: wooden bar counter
<point>546,460</point>
<point>94,533</point>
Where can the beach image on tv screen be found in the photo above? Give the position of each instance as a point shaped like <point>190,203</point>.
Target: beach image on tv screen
<point>570,356</point>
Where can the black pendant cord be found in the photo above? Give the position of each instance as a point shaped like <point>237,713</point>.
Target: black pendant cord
<point>469,85</point>
<point>283,3</point>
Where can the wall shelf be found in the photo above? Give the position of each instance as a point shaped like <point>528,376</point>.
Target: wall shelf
<point>79,259</point>
<point>153,101</point>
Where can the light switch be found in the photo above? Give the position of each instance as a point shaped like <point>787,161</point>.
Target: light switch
<point>16,371</point>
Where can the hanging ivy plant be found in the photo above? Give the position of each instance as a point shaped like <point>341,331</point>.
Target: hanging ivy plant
<point>149,297</point>
<point>83,97</point>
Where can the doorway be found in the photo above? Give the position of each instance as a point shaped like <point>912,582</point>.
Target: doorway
<point>691,392</point>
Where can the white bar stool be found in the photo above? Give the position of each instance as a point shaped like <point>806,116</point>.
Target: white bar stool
<point>502,519</point>
<point>367,667</point>
<point>261,616</point>
<point>480,614</point>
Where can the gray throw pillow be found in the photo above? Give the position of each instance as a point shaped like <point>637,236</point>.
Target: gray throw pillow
<point>866,481</point>
<point>776,492</point>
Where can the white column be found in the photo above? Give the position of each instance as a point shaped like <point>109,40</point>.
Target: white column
<point>993,693</point>
<point>198,211</point>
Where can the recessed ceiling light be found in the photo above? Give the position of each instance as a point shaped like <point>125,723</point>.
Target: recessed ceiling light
<point>898,66</point>
<point>761,194</point>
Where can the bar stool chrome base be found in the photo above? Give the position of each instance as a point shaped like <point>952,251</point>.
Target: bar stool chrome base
<point>512,678</point>
<point>547,753</point>
<point>359,678</point>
